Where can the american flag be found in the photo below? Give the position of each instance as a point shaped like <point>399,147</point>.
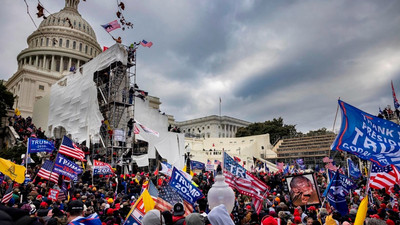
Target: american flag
<point>217,162</point>
<point>146,44</point>
<point>45,172</point>
<point>62,195</point>
<point>167,198</point>
<point>70,149</point>
<point>135,129</point>
<point>7,196</point>
<point>148,130</point>
<point>111,26</point>
<point>246,183</point>
<point>384,177</point>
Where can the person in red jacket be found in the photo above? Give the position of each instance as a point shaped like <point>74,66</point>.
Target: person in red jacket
<point>178,217</point>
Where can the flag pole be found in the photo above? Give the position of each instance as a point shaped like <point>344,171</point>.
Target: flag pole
<point>26,157</point>
<point>333,127</point>
<point>54,162</point>
<point>348,173</point>
<point>220,106</point>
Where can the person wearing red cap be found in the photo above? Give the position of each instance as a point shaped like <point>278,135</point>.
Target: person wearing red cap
<point>269,220</point>
<point>43,205</point>
<point>297,220</point>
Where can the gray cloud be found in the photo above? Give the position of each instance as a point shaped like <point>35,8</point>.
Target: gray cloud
<point>265,59</point>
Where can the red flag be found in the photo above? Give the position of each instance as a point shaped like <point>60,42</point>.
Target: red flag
<point>237,159</point>
<point>104,48</point>
<point>396,103</point>
<point>156,172</point>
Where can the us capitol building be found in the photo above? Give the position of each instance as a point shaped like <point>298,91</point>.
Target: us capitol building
<point>62,42</point>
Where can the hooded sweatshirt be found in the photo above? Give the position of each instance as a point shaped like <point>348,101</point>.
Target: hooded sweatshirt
<point>153,217</point>
<point>194,219</point>
<point>220,216</point>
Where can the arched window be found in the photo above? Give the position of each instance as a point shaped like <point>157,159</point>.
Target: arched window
<point>67,44</point>
<point>80,47</point>
<point>60,42</point>
<point>74,45</point>
<point>86,49</point>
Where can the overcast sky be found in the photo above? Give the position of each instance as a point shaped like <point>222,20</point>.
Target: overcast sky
<point>265,59</point>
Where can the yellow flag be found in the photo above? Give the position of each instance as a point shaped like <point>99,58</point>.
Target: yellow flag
<point>191,172</point>
<point>14,171</point>
<point>362,211</point>
<point>147,201</point>
<point>329,220</point>
<point>17,112</point>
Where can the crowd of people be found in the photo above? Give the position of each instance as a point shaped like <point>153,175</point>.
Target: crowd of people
<point>108,199</point>
<point>30,205</point>
<point>25,128</point>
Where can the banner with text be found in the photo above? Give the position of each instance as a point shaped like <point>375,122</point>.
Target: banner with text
<point>66,167</point>
<point>39,145</point>
<point>368,137</point>
<point>101,168</point>
<point>53,194</point>
<point>196,165</point>
<point>184,187</point>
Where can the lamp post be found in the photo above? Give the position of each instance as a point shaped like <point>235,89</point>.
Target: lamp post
<point>187,158</point>
<point>221,193</point>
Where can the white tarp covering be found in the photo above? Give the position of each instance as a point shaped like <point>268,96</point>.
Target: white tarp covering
<point>170,146</point>
<point>75,106</point>
<point>141,160</point>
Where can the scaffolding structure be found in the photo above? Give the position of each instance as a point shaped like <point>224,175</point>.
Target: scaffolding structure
<point>116,87</point>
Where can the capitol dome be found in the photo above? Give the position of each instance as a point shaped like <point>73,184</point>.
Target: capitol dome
<point>70,12</point>
<point>63,40</point>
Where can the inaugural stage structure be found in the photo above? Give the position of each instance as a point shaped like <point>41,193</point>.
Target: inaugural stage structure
<point>92,104</point>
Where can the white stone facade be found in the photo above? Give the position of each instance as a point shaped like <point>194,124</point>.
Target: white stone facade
<point>245,148</point>
<point>53,49</point>
<point>211,127</point>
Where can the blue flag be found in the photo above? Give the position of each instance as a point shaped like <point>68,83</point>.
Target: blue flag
<point>196,165</point>
<point>92,219</point>
<point>184,187</point>
<point>286,170</point>
<point>234,167</point>
<point>66,167</point>
<point>336,194</point>
<point>1,177</point>
<point>39,145</point>
<point>368,137</point>
<point>354,171</point>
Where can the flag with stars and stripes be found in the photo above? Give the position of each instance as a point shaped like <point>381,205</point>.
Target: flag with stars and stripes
<point>242,180</point>
<point>384,177</point>
<point>8,195</point>
<point>45,172</point>
<point>69,148</point>
<point>168,197</point>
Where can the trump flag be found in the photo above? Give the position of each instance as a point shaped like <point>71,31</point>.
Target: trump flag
<point>368,137</point>
<point>66,167</point>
